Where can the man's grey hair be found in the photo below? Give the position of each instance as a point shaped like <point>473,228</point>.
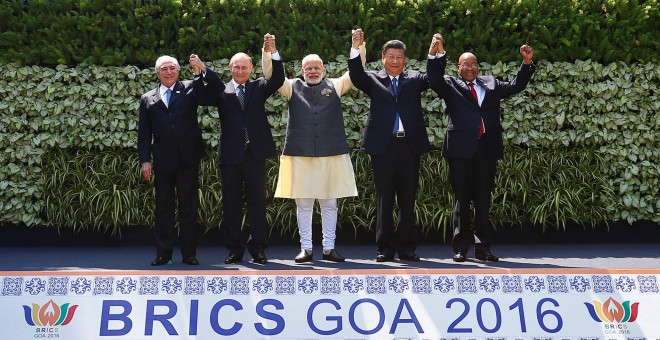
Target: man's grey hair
<point>165,58</point>
<point>311,57</point>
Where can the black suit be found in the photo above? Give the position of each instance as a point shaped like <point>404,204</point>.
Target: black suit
<point>394,160</point>
<point>472,160</point>
<point>240,165</point>
<point>171,135</point>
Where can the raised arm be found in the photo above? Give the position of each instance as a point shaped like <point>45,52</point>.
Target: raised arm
<point>356,70</point>
<point>207,86</point>
<point>435,67</point>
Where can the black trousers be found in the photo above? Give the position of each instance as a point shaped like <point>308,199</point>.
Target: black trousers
<point>247,178</point>
<point>396,175</point>
<point>472,181</point>
<point>176,190</point>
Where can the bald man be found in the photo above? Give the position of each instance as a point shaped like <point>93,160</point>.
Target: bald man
<point>246,142</point>
<point>473,143</point>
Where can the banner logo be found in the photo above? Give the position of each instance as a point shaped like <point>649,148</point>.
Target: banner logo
<point>613,311</point>
<point>50,314</point>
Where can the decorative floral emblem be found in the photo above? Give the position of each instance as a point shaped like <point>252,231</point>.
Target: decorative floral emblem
<point>376,285</point>
<point>398,284</point>
<point>81,285</point>
<point>489,284</point>
<point>647,284</point>
<point>534,284</point>
<point>103,285</point>
<point>216,285</point>
<point>353,285</point>
<point>171,285</point>
<point>625,284</point>
<point>126,285</point>
<point>602,284</point>
<point>421,284</point>
<point>194,285</point>
<point>444,284</point>
<point>308,285</point>
<point>580,283</point>
<point>58,285</point>
<point>330,285</point>
<point>34,286</point>
<point>12,286</point>
<point>512,284</point>
<point>285,285</point>
<point>557,284</point>
<point>326,92</point>
<point>262,285</point>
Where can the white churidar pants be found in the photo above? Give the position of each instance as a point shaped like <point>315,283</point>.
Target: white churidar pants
<point>304,211</point>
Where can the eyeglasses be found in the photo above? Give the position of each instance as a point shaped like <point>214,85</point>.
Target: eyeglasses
<point>470,66</point>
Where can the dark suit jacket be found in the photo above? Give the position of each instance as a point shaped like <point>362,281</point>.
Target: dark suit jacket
<point>233,119</point>
<point>170,135</point>
<point>384,106</point>
<point>464,112</point>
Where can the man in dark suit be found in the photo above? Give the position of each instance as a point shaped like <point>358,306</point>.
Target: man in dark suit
<point>395,137</point>
<point>168,131</point>
<point>473,142</point>
<point>246,142</point>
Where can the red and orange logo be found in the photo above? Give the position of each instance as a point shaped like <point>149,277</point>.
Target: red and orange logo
<point>613,311</point>
<point>50,314</point>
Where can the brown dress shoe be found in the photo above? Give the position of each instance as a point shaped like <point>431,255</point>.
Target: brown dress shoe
<point>334,256</point>
<point>304,256</point>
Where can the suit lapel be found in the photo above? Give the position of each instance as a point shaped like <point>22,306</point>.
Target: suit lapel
<point>156,99</point>
<point>387,82</point>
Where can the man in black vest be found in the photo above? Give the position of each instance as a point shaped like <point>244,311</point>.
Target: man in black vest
<point>315,164</point>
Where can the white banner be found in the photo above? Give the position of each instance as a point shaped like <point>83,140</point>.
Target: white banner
<point>341,304</point>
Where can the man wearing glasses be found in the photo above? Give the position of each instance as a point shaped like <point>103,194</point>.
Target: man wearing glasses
<point>473,142</point>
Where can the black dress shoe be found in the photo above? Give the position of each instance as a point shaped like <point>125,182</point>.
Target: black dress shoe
<point>161,261</point>
<point>191,261</point>
<point>304,256</point>
<point>486,256</point>
<point>459,257</point>
<point>233,258</point>
<point>411,257</point>
<point>334,256</point>
<point>259,257</point>
<point>384,257</point>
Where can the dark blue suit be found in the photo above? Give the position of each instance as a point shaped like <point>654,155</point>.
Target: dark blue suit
<point>472,161</point>
<point>395,161</point>
<point>240,165</point>
<point>172,137</point>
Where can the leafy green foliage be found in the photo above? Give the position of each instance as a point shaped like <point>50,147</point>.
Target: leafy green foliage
<point>137,32</point>
<point>582,145</point>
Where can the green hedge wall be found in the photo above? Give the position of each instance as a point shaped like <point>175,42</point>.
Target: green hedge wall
<point>582,144</point>
<point>135,32</point>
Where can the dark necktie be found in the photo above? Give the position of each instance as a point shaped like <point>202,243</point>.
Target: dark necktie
<point>241,100</point>
<point>396,116</point>
<point>168,94</point>
<point>481,124</point>
<point>241,96</point>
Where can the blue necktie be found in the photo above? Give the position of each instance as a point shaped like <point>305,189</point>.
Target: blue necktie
<point>168,94</point>
<point>396,116</point>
